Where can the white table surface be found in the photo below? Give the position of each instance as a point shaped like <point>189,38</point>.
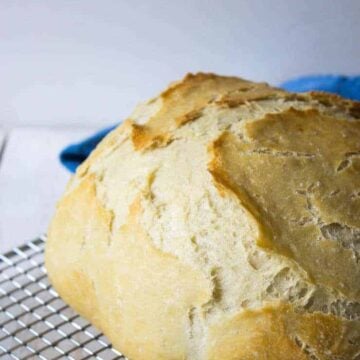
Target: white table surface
<point>31,180</point>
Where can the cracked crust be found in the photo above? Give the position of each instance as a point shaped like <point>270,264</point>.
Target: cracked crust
<point>220,221</point>
<point>184,101</point>
<point>304,144</point>
<point>155,325</point>
<point>284,333</point>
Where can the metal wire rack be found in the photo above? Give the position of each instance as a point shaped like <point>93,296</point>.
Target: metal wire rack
<point>34,322</point>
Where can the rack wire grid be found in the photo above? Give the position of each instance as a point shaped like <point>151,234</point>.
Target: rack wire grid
<point>34,322</point>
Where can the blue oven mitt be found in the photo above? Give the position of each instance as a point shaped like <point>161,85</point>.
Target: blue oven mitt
<point>347,86</point>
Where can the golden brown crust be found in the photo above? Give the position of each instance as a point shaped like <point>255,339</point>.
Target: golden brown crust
<point>153,326</point>
<point>185,97</point>
<point>108,144</point>
<point>292,216</point>
<point>188,117</point>
<point>95,278</point>
<point>277,332</point>
<point>334,101</point>
<point>250,93</point>
<point>144,137</point>
<point>70,274</point>
<point>221,221</point>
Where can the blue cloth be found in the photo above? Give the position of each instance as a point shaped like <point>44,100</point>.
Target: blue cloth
<point>347,86</point>
<point>73,155</point>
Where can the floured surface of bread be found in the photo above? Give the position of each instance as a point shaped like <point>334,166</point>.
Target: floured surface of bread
<point>220,221</point>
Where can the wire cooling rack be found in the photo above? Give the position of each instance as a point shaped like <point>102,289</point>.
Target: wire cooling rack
<point>34,322</point>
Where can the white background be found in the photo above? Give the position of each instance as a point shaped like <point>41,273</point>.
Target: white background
<point>89,62</point>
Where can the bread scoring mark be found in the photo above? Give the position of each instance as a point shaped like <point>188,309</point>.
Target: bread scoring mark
<point>301,152</point>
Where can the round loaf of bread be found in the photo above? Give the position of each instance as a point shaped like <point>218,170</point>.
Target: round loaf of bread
<point>220,221</point>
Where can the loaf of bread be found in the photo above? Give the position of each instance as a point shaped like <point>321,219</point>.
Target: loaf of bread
<point>220,221</point>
